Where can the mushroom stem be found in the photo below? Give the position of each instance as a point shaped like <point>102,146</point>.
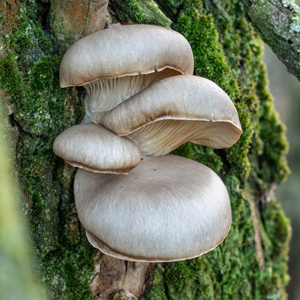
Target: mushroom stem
<point>106,93</point>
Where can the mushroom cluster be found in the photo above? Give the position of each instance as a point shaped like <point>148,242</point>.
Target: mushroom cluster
<point>142,102</point>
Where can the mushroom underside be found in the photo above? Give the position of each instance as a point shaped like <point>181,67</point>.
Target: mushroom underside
<point>113,170</point>
<point>168,208</point>
<point>163,136</point>
<point>125,50</point>
<point>106,93</point>
<point>96,243</point>
<point>173,111</point>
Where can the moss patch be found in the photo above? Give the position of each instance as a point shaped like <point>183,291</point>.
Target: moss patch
<point>30,75</point>
<point>143,12</point>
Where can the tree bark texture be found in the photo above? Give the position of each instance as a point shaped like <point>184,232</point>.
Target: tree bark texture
<point>252,261</point>
<point>278,23</point>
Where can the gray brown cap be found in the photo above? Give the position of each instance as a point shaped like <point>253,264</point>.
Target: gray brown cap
<point>174,111</point>
<point>167,209</point>
<point>96,149</point>
<point>125,51</point>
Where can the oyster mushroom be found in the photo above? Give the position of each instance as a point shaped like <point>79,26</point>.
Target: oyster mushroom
<point>116,63</point>
<point>96,149</point>
<point>167,209</point>
<point>174,111</point>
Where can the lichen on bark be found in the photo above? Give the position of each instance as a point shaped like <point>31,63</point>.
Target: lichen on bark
<point>278,23</point>
<point>227,51</point>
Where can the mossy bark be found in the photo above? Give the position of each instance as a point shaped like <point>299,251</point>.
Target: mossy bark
<point>252,261</point>
<point>278,23</point>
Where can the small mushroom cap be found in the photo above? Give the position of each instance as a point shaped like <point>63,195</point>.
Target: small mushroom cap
<point>167,209</point>
<point>174,111</point>
<point>96,149</point>
<point>125,51</point>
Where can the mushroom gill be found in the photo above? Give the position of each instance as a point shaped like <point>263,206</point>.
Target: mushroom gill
<point>174,111</point>
<point>116,90</point>
<point>116,63</point>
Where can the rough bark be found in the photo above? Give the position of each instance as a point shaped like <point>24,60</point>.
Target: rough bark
<point>252,262</point>
<point>278,23</point>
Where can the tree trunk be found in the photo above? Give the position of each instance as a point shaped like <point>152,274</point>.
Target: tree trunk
<point>252,261</point>
<point>279,25</point>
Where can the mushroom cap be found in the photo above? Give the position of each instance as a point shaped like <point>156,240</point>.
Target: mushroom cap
<point>167,209</point>
<point>96,149</point>
<point>174,111</point>
<point>125,51</point>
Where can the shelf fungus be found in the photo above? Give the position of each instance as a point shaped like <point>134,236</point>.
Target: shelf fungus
<point>167,209</point>
<point>116,63</point>
<point>145,102</point>
<point>94,148</point>
<point>174,111</point>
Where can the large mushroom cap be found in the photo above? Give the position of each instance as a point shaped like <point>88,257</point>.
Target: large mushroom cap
<point>123,51</point>
<point>174,111</point>
<point>96,149</point>
<point>168,208</point>
<point>115,63</point>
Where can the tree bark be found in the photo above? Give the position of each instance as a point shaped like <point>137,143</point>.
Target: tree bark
<point>278,23</point>
<point>252,261</point>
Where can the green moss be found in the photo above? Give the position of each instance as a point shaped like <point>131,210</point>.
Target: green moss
<point>278,230</point>
<point>44,42</point>
<point>158,290</point>
<point>272,162</point>
<point>277,227</point>
<point>243,49</point>
<point>210,62</point>
<point>171,7</point>
<point>209,59</point>
<point>226,273</point>
<point>202,154</point>
<point>237,155</point>
<point>232,270</point>
<point>143,12</point>
<point>21,39</point>
<point>30,75</point>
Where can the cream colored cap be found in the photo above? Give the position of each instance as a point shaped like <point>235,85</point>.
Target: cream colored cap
<point>167,209</point>
<point>124,51</point>
<point>174,111</point>
<point>96,149</point>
